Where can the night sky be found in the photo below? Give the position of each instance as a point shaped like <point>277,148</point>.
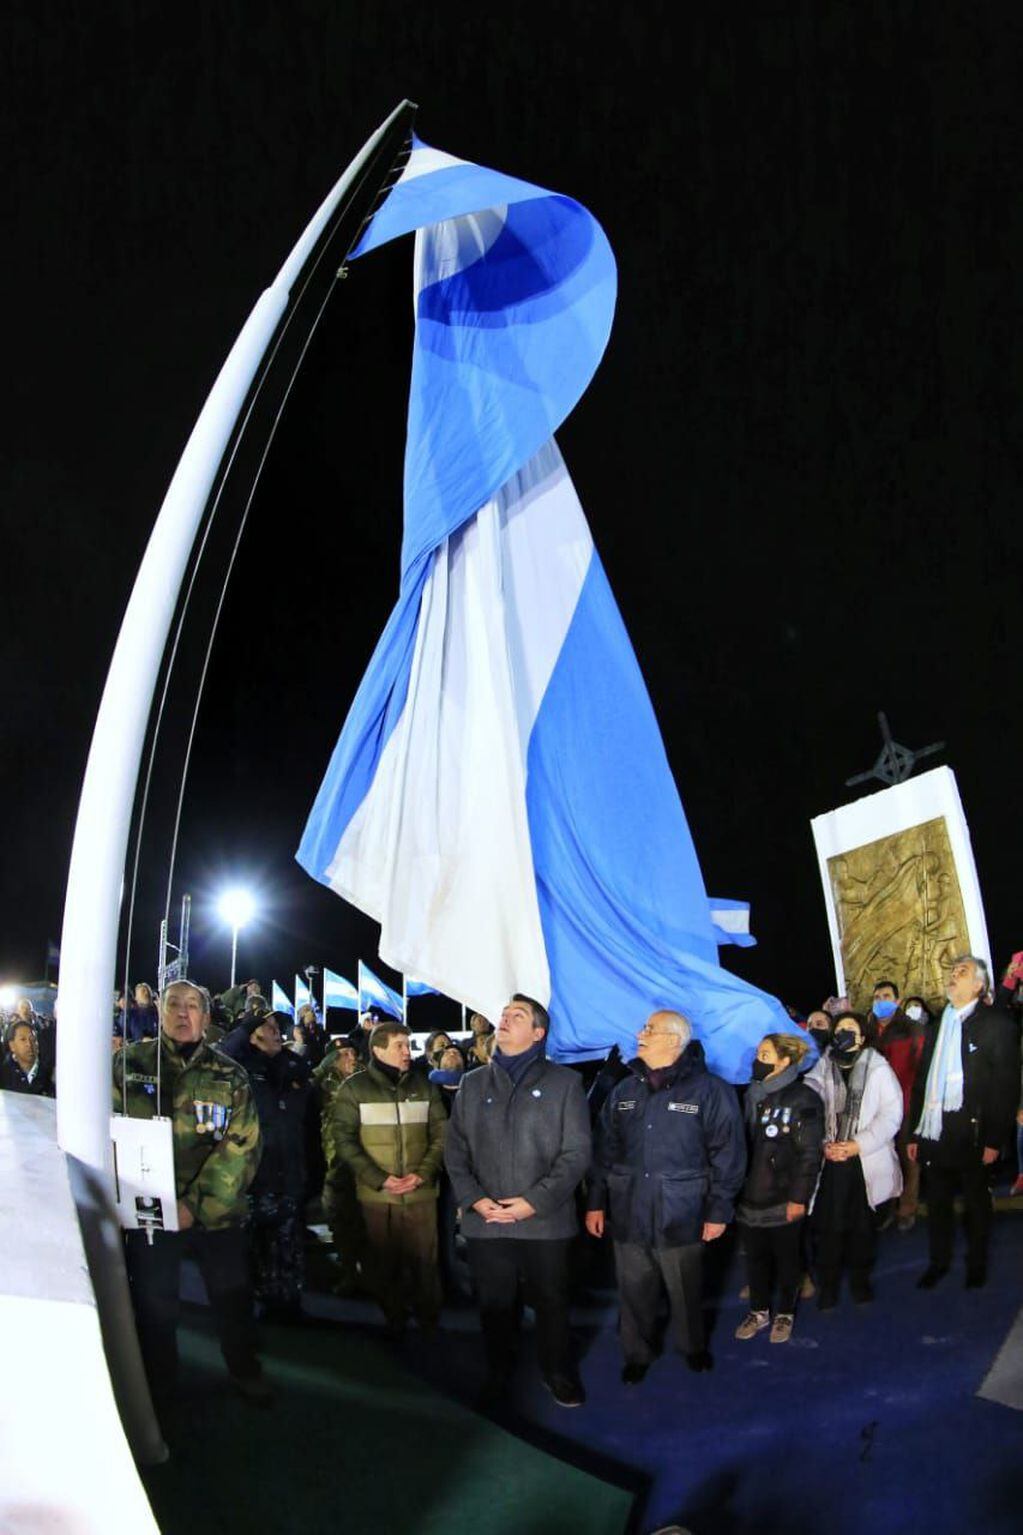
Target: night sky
<point>801,457</point>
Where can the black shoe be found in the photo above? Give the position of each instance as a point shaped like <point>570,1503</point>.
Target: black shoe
<point>633,1373</point>
<point>931,1276</point>
<point>699,1360</point>
<point>863,1294</point>
<point>976,1279</point>
<point>827,1298</point>
<point>566,1392</point>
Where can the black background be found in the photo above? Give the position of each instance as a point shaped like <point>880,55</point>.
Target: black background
<point>800,458</point>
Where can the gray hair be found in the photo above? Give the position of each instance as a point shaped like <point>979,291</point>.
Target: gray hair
<point>185,985</point>
<point>979,966</point>
<point>676,1023</point>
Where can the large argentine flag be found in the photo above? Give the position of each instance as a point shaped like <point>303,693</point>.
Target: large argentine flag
<point>500,799</point>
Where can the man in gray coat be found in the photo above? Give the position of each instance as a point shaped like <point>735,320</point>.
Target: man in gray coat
<point>518,1145</point>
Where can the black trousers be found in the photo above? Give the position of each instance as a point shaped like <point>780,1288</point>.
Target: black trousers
<point>845,1234</point>
<point>943,1182</point>
<point>644,1274</point>
<point>500,1265</point>
<point>154,1273</point>
<point>774,1255</point>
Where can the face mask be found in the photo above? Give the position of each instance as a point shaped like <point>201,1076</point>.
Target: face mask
<point>761,1070</point>
<point>846,1042</point>
<point>884,1009</point>
<point>914,1011</point>
<point>821,1038</point>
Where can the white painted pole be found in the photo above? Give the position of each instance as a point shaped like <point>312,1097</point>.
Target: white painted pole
<point>95,880</point>
<point>95,883</point>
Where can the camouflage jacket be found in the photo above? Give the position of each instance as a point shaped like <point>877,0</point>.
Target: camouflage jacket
<point>328,1085</point>
<point>216,1128</point>
<point>377,1128</point>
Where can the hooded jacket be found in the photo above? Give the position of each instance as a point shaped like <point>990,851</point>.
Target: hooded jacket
<point>668,1159</point>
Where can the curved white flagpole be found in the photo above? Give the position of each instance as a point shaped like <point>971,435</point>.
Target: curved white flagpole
<point>95,879</point>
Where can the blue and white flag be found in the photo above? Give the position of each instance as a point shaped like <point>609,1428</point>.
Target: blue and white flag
<point>731,922</point>
<point>280,1001</point>
<point>500,799</point>
<point>337,992</point>
<point>304,997</point>
<point>374,993</point>
<point>419,989</point>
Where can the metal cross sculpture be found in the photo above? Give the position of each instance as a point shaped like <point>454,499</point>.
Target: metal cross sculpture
<point>895,763</point>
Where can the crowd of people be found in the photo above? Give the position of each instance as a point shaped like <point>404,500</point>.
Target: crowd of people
<point>826,1146</point>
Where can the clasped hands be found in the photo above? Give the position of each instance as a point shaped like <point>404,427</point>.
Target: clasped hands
<point>840,1151</point>
<point>504,1212</point>
<point>405,1185</point>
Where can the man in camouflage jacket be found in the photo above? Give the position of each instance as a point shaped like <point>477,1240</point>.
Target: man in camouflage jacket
<point>386,1125</point>
<point>216,1155</point>
<point>340,1206</point>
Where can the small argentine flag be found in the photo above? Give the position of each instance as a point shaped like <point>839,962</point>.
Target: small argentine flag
<point>419,989</point>
<point>500,800</point>
<point>279,1000</point>
<point>337,992</point>
<point>731,922</point>
<point>374,993</point>
<point>304,997</point>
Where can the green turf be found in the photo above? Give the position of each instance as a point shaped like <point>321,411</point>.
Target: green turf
<point>356,1444</point>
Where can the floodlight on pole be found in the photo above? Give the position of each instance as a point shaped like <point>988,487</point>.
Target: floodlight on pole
<point>237,909</point>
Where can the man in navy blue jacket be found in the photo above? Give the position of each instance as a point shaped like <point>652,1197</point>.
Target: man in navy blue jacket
<point>670,1159</point>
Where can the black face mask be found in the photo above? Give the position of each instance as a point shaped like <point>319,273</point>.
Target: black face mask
<point>761,1071</point>
<point>845,1043</point>
<point>821,1038</point>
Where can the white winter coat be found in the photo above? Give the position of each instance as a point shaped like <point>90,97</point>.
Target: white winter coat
<point>880,1118</point>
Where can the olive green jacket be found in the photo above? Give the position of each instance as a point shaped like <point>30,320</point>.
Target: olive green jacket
<point>378,1129</point>
<point>215,1125</point>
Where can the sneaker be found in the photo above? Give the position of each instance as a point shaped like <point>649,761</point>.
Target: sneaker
<point>567,1393</point>
<point>781,1327</point>
<point>255,1389</point>
<point>751,1324</point>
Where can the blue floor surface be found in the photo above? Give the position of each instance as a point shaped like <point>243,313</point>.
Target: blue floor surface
<point>866,1421</point>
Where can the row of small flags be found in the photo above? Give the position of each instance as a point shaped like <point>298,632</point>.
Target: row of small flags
<point>337,992</point>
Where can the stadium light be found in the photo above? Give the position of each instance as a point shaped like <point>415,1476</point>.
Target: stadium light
<point>8,996</point>
<point>237,908</point>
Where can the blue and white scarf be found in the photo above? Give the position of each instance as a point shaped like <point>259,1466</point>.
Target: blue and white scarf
<point>944,1090</point>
